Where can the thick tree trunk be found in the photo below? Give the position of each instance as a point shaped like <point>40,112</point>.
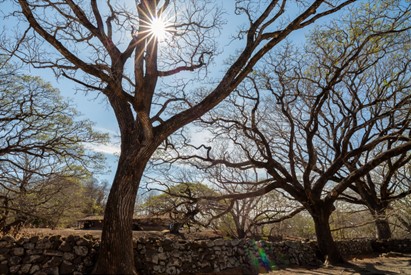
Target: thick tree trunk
<point>116,255</point>
<point>383,230</point>
<point>326,244</point>
<point>382,227</point>
<point>241,233</point>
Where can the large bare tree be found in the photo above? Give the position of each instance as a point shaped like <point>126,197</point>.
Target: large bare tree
<point>124,52</point>
<point>315,121</point>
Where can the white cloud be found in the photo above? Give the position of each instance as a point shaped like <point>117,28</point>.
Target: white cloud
<point>112,149</point>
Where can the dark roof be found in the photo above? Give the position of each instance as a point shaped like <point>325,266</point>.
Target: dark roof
<point>91,218</point>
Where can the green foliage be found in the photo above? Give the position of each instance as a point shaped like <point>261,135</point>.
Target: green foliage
<point>178,198</point>
<point>184,204</point>
<point>43,156</point>
<point>94,193</point>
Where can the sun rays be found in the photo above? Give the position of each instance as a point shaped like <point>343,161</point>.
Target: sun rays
<point>158,28</point>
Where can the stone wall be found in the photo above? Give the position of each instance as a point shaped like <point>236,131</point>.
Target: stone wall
<point>355,247</point>
<point>49,255</point>
<point>76,255</point>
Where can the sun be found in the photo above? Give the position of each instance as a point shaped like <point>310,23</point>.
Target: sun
<point>158,28</point>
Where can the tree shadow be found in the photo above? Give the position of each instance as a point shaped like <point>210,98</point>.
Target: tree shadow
<point>346,268</point>
<point>367,268</point>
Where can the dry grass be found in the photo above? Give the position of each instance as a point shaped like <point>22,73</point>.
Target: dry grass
<point>42,232</point>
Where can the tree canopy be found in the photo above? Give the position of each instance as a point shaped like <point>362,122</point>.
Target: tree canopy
<point>113,49</point>
<point>42,149</point>
<point>318,119</point>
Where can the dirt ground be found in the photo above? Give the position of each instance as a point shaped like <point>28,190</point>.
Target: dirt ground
<point>388,263</point>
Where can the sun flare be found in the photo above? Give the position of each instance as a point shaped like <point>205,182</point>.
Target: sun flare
<point>158,28</point>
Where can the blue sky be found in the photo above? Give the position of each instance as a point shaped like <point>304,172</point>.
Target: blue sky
<point>96,108</point>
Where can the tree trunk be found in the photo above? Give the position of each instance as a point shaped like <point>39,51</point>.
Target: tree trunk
<point>116,255</point>
<point>382,227</point>
<point>326,244</point>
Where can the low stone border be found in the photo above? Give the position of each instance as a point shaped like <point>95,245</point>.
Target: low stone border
<point>77,255</point>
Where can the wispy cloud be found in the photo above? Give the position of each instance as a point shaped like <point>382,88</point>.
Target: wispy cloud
<point>112,149</point>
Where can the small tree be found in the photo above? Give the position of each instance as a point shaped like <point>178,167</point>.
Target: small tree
<point>248,216</point>
<point>402,213</point>
<point>95,195</point>
<point>181,203</point>
<point>380,188</point>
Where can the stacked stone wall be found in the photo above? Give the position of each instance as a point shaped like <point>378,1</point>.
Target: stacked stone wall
<point>77,255</point>
<point>49,255</point>
<point>355,247</point>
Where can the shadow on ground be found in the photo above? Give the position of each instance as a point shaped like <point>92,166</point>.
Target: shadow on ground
<point>389,263</point>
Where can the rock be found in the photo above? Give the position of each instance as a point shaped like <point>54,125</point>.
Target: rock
<point>14,260</point>
<point>18,251</point>
<point>88,261</point>
<point>34,259</point>
<point>5,244</point>
<point>34,239</point>
<point>162,256</point>
<point>55,253</point>
<point>4,251</point>
<point>210,244</point>
<point>43,244</point>
<point>78,260</point>
<point>14,268</point>
<point>72,239</point>
<point>53,262</point>
<point>81,250</point>
<point>51,270</point>
<point>171,270</point>
<point>34,269</point>
<point>2,258</point>
<point>25,268</point>
<point>22,241</point>
<point>82,242</point>
<point>219,242</point>
<point>8,239</point>
<point>65,247</point>
<point>68,256</point>
<point>235,242</point>
<point>29,245</point>
<point>176,261</point>
<point>66,268</point>
<point>88,237</point>
<point>155,259</point>
<point>34,251</point>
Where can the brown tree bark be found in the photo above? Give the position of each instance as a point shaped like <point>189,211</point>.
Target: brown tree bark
<point>382,226</point>
<point>383,230</point>
<point>141,130</point>
<point>328,248</point>
<point>115,255</point>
